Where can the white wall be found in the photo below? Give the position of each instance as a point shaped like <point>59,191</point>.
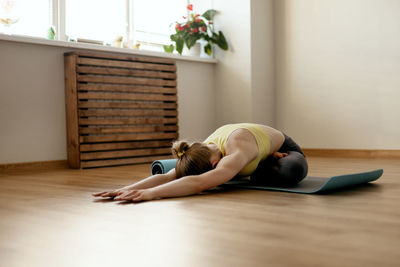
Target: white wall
<point>233,71</point>
<point>32,105</point>
<point>335,82</point>
<point>263,62</point>
<point>338,66</point>
<point>244,80</point>
<point>196,102</point>
<point>32,102</point>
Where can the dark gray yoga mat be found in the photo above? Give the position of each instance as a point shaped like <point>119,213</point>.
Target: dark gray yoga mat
<point>309,185</point>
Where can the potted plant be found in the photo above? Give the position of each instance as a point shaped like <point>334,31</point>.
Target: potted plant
<point>196,28</point>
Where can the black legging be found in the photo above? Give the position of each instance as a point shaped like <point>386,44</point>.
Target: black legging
<point>284,172</point>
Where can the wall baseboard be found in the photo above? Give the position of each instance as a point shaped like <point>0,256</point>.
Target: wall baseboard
<point>51,164</point>
<point>351,153</point>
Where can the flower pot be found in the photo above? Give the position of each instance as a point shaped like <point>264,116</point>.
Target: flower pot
<point>204,54</point>
<point>194,50</point>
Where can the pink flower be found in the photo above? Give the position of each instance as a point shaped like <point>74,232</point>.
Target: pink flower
<point>190,7</point>
<point>178,27</point>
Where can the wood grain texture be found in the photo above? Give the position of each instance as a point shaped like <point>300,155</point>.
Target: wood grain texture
<point>126,88</point>
<point>125,129</point>
<point>141,105</point>
<point>125,57</point>
<point>125,64</point>
<point>126,153</point>
<point>125,80</point>
<point>136,97</point>
<point>123,161</point>
<point>71,108</point>
<point>118,99</point>
<point>127,121</point>
<point>127,137</point>
<point>29,166</point>
<point>126,72</point>
<point>125,145</point>
<point>127,112</point>
<point>49,218</point>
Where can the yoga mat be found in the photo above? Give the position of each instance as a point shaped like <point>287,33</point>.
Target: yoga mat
<point>162,166</point>
<point>310,185</point>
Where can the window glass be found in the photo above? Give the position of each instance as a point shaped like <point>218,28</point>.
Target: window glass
<point>25,17</point>
<point>102,20</point>
<point>152,20</point>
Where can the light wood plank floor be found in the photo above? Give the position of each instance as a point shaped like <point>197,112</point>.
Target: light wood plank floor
<point>49,218</point>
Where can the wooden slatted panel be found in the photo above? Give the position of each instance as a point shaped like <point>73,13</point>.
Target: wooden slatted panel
<point>127,112</point>
<point>135,105</point>
<point>125,129</point>
<point>122,96</point>
<point>125,64</point>
<point>127,137</point>
<point>125,153</point>
<point>124,80</point>
<point>125,108</point>
<point>124,161</point>
<point>126,88</point>
<point>126,72</point>
<point>124,145</point>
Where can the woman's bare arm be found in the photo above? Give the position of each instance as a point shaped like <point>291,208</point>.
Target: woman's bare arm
<point>228,167</point>
<point>154,180</point>
<point>146,183</point>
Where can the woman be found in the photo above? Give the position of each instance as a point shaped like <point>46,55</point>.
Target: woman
<point>235,150</point>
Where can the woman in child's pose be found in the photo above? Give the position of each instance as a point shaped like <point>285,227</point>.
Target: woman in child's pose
<point>235,150</point>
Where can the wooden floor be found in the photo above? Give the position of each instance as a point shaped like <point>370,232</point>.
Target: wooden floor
<point>49,218</point>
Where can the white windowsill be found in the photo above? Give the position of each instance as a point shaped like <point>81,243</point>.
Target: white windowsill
<point>43,41</point>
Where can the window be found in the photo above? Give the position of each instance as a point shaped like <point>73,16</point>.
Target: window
<point>147,22</point>
<point>102,20</point>
<point>25,17</point>
<point>152,20</point>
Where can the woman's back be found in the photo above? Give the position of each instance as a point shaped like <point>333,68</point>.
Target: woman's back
<point>260,140</point>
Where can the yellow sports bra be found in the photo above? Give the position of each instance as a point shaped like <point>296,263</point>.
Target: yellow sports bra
<point>221,135</point>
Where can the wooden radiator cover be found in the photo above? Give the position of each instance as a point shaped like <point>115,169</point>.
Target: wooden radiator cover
<point>120,109</point>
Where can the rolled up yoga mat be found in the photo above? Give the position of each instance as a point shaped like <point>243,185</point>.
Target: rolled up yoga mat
<point>162,166</point>
<point>309,185</point>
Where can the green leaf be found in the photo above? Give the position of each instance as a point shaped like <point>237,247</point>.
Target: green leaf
<point>173,37</point>
<point>179,45</point>
<point>169,48</point>
<point>222,43</point>
<point>209,14</point>
<point>219,39</point>
<point>191,40</point>
<point>208,49</point>
<point>206,37</point>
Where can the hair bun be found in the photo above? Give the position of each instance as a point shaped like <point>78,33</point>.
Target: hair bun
<point>179,148</point>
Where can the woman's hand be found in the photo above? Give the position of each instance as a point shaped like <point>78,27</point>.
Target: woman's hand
<point>127,194</point>
<point>136,195</point>
<point>109,193</point>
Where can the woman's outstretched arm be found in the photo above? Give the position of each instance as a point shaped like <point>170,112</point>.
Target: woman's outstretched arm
<point>149,182</point>
<point>227,168</point>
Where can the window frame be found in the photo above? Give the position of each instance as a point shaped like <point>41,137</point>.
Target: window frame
<point>58,19</point>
